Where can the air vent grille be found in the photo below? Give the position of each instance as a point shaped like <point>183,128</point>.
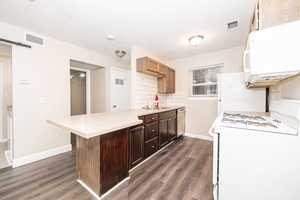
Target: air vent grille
<point>232,25</point>
<point>34,39</point>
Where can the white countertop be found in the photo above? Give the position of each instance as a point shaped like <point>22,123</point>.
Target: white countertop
<point>91,125</point>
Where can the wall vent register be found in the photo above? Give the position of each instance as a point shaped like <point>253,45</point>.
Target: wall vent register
<point>34,39</point>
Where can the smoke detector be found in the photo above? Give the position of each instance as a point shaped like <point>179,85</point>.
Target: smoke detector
<point>110,37</point>
<point>120,53</point>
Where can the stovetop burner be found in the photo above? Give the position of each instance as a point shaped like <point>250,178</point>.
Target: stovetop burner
<point>256,123</point>
<point>248,122</point>
<point>244,117</point>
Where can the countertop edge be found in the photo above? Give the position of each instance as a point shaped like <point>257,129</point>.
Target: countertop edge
<point>95,134</point>
<point>88,135</point>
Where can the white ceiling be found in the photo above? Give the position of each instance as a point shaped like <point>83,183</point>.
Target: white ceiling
<point>161,26</point>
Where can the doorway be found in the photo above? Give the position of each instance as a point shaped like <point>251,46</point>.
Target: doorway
<point>6,116</point>
<point>80,93</point>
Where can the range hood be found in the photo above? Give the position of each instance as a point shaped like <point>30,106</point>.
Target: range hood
<point>272,55</point>
<point>267,80</point>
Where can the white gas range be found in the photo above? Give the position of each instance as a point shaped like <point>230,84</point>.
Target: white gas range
<point>256,156</point>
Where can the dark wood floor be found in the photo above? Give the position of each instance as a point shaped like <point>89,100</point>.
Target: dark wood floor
<point>183,171</point>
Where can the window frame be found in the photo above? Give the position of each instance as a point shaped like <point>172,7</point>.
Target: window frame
<point>192,84</point>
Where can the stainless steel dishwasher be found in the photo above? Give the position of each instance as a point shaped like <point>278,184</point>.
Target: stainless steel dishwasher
<point>180,122</point>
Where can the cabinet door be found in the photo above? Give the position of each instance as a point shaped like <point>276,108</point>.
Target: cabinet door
<point>172,128</point>
<point>171,88</point>
<point>136,145</point>
<point>163,69</point>
<point>163,132</point>
<point>151,147</point>
<point>276,12</point>
<point>114,159</point>
<point>151,130</point>
<point>152,65</point>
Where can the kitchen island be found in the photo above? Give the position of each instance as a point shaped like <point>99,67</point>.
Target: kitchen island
<point>109,144</point>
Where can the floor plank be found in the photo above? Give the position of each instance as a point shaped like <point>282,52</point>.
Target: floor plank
<point>182,171</point>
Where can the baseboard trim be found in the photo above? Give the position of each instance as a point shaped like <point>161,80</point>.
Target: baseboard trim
<point>8,157</point>
<point>151,156</point>
<point>40,156</point>
<point>201,137</point>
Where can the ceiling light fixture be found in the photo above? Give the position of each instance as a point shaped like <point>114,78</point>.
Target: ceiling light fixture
<point>82,75</point>
<point>196,40</point>
<point>120,53</point>
<point>110,37</point>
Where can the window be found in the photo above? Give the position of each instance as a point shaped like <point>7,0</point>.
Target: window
<point>204,81</point>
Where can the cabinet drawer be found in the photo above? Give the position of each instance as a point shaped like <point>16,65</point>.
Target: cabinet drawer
<point>151,130</point>
<point>166,115</point>
<point>151,147</point>
<point>151,118</point>
<point>141,118</point>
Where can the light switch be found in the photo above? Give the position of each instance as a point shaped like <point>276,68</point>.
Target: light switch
<point>24,82</point>
<point>43,100</point>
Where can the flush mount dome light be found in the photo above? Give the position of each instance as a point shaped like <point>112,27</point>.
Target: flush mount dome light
<point>120,53</point>
<point>196,40</point>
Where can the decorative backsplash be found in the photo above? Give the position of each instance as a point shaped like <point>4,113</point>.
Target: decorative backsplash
<point>146,89</point>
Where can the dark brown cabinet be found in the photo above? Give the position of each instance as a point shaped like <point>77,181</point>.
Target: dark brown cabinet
<point>151,130</point>
<point>114,159</point>
<point>104,161</point>
<point>163,132</point>
<point>151,147</point>
<point>172,123</point>
<point>136,145</point>
<point>167,127</point>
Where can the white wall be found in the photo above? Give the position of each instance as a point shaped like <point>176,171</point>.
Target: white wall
<point>41,89</point>
<point>98,90</point>
<point>143,87</point>
<point>290,89</point>
<point>202,111</point>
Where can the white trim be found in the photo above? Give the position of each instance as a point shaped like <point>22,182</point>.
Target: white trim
<point>290,100</point>
<point>106,193</point>
<point>42,155</point>
<point>3,140</point>
<point>203,97</point>
<point>219,65</point>
<point>201,137</point>
<point>88,87</point>
<point>150,157</point>
<point>8,157</point>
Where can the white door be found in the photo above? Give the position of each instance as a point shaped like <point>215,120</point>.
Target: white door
<point>233,95</point>
<point>120,89</point>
